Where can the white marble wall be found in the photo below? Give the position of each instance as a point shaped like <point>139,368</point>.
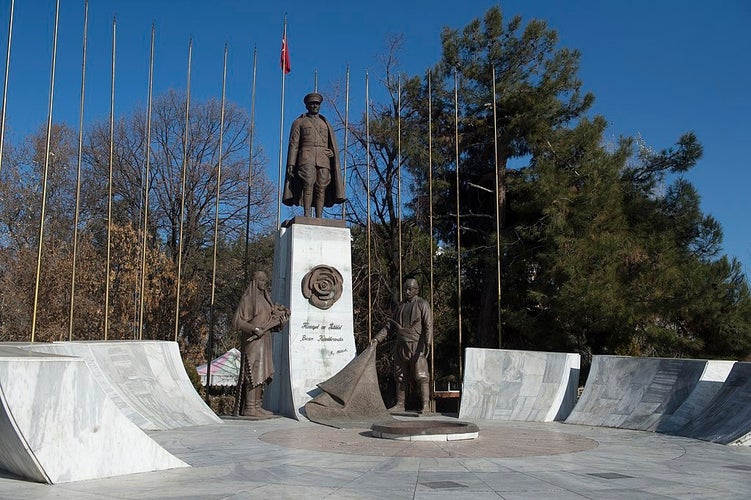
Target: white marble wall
<point>635,393</point>
<point>316,343</point>
<point>726,419</point>
<point>711,381</point>
<point>501,384</point>
<point>145,379</point>
<point>60,426</point>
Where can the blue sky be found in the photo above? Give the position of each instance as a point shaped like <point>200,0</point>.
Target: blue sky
<point>657,69</point>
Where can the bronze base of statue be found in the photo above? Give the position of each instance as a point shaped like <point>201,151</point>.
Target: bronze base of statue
<point>313,221</point>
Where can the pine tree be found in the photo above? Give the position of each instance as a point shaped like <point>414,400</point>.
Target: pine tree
<point>538,92</point>
<point>605,247</point>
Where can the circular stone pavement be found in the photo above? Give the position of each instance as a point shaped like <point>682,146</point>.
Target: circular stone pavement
<point>493,442</point>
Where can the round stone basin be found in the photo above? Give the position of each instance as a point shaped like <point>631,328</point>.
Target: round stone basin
<point>425,430</point>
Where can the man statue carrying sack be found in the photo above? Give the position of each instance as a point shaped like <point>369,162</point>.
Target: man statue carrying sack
<point>412,323</point>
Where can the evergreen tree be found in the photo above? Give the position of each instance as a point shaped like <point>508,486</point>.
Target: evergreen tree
<point>538,92</point>
<point>604,250</point>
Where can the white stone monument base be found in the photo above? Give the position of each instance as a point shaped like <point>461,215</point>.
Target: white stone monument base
<point>317,342</point>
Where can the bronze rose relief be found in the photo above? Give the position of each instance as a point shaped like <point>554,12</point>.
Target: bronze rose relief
<point>322,286</point>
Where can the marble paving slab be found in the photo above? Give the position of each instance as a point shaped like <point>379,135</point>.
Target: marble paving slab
<point>286,458</point>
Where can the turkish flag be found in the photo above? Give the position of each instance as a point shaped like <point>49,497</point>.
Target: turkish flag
<point>284,60</point>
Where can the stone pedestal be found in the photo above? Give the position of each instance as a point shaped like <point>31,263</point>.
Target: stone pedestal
<point>310,256</point>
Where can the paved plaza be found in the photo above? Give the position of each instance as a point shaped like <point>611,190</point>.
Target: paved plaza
<point>283,458</point>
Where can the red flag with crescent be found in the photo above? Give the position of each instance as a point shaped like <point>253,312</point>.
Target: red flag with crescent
<point>284,60</point>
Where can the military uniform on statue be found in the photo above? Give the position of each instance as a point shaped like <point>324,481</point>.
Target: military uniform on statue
<point>313,177</point>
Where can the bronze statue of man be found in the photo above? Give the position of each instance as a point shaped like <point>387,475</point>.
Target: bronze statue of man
<point>412,322</point>
<point>313,177</point>
<point>256,316</point>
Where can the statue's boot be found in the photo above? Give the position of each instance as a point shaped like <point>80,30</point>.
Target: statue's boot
<point>259,398</point>
<point>320,198</point>
<point>250,409</point>
<point>425,390</point>
<point>401,392</point>
<point>253,403</point>
<point>263,411</point>
<point>307,201</point>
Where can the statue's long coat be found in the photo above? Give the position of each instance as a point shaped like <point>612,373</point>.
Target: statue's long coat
<point>299,153</point>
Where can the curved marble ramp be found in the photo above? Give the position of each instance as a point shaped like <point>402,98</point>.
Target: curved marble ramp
<point>727,417</point>
<point>145,379</point>
<point>57,425</point>
<point>711,381</point>
<point>502,384</point>
<point>635,393</point>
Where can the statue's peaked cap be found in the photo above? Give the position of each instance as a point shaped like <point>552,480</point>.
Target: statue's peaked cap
<point>313,97</point>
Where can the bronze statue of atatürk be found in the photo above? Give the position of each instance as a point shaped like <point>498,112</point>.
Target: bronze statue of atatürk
<point>256,316</point>
<point>412,323</point>
<point>313,177</point>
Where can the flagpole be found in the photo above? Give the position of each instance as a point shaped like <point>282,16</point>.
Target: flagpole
<point>430,222</point>
<point>146,188</point>
<point>216,232</point>
<point>458,220</point>
<point>246,256</point>
<point>251,133</point>
<point>346,139</point>
<point>497,212</point>
<point>182,193</point>
<point>47,155</point>
<point>284,61</point>
<point>367,181</point>
<point>109,184</point>
<point>399,177</point>
<point>5,84</point>
<point>78,172</point>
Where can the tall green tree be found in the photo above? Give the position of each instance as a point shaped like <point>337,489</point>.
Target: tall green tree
<point>538,92</point>
<point>605,247</point>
